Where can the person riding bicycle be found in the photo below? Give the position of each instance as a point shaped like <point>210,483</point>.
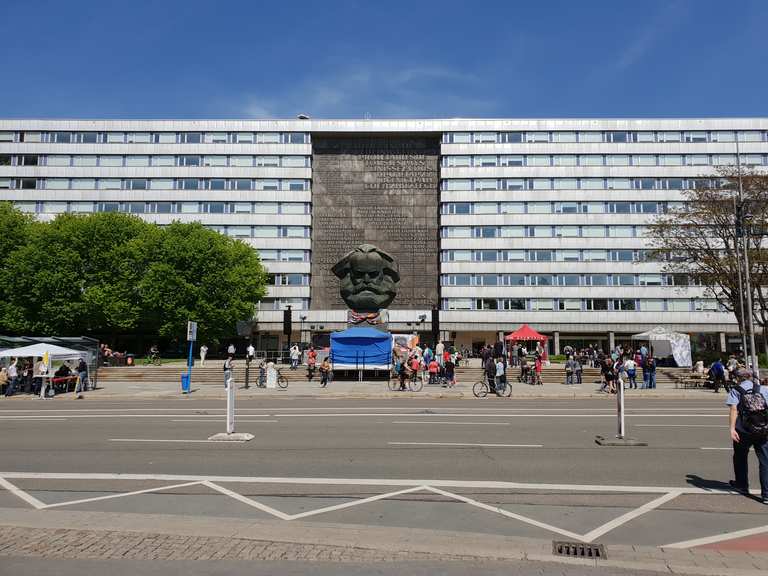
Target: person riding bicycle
<point>525,369</point>
<point>402,374</point>
<point>154,353</point>
<point>490,373</point>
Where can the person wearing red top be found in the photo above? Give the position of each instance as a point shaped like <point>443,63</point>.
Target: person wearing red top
<point>538,370</point>
<point>415,363</point>
<point>433,368</point>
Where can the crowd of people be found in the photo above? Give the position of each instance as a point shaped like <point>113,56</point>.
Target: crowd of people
<point>433,367</point>
<point>31,376</point>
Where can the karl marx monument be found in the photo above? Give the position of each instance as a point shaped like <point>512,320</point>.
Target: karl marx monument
<point>368,282</point>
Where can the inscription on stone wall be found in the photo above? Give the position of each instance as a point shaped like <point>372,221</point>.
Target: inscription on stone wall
<point>382,190</point>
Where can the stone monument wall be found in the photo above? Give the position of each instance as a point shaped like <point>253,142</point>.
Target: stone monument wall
<point>382,190</point>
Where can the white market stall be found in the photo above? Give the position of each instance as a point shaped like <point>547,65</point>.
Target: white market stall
<point>666,342</point>
<point>49,352</point>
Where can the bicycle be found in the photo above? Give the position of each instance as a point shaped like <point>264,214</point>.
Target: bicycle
<point>413,384</point>
<point>153,359</point>
<point>481,389</point>
<point>281,381</point>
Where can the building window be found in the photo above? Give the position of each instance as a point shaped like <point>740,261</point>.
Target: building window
<point>596,304</point>
<point>569,304</point>
<point>624,304</point>
<point>542,304</point>
<point>191,137</point>
<point>189,160</point>
<point>138,138</point>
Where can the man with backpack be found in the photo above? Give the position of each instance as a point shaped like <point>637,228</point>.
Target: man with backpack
<point>748,419</point>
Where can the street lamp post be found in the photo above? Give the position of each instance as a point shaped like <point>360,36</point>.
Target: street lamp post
<point>747,278</point>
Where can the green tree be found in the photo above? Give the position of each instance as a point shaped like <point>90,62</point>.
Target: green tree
<point>198,274</point>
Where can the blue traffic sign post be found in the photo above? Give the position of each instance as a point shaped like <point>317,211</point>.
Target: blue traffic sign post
<point>186,379</point>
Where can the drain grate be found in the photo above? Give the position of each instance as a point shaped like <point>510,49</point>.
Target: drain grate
<point>579,550</point>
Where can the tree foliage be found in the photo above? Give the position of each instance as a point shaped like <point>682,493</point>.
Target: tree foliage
<point>700,239</point>
<point>117,274</point>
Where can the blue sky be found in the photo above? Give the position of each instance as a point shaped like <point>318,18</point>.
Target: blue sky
<point>392,58</point>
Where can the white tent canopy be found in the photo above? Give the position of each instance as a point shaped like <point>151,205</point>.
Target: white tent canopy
<point>666,342</point>
<point>39,350</point>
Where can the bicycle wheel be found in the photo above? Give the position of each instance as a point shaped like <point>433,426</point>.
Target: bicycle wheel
<point>281,381</point>
<point>507,392</point>
<point>416,385</point>
<point>157,361</point>
<point>480,389</point>
<point>393,385</point>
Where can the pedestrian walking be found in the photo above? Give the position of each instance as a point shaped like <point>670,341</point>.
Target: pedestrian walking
<point>262,374</point>
<point>501,378</point>
<point>570,368</point>
<point>449,371</point>
<point>440,353</point>
<point>295,355</point>
<point>13,377</point>
<point>203,354</point>
<point>82,378</point>
<point>537,367</point>
<point>650,364</point>
<point>325,372</point>
<point>748,418</point>
<point>578,370</point>
<point>250,353</point>
<point>434,370</point>
<point>717,373</point>
<point>311,363</point>
<point>630,367</point>
<point>229,365</point>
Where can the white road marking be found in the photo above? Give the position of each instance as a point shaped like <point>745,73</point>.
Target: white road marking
<point>506,513</point>
<point>681,425</point>
<point>450,422</point>
<point>18,492</point>
<point>248,501</point>
<point>35,419</point>
<point>221,416</point>
<point>357,502</point>
<point>631,515</point>
<point>405,482</point>
<point>179,441</point>
<point>716,448</point>
<point>121,495</point>
<point>494,415</point>
<point>465,444</point>
<point>718,538</point>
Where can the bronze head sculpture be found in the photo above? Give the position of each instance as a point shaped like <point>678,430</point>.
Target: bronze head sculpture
<point>368,278</point>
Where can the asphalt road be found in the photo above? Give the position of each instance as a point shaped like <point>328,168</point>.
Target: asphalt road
<point>534,459</point>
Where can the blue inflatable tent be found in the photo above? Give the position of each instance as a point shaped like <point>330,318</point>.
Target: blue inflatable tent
<point>361,349</point>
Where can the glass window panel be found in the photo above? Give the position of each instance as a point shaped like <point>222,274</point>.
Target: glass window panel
<point>83,184</point>
<point>512,208</point>
<point>513,184</point>
<point>572,304</point>
<point>617,137</point>
<point>621,231</point>
<point>724,159</point>
<point>294,185</point>
<point>541,280</point>
<point>593,207</point>
<point>190,184</point>
<point>190,207</point>
<point>669,137</point>
<point>163,207</point>
<point>162,183</point>
<point>591,160</point>
<point>697,159</point>
<point>239,231</point>
<point>644,160</point>
<point>57,137</point>
<point>135,207</point>
<point>242,184</point>
<point>539,208</point>
<point>564,136</point>
<point>265,208</point>
<point>268,254</point>
<point>268,138</point>
<point>459,231</point>
<point>541,183</point>
<point>138,138</point>
<point>622,255</point>
<point>461,138</point>
<point>590,136</point>
<point>293,256</point>
<point>623,304</point>
<point>597,304</point>
<point>569,280</point>
<point>568,231</point>
<point>486,137</point>
<point>541,255</point>
<point>486,255</point>
<point>723,136</point>
<point>542,304</point>
<point>109,184</point>
<point>567,207</point>
<point>537,160</point>
<point>115,137</point>
<point>57,183</point>
<point>214,160</point>
<point>268,161</point>
<point>513,279</point>
<point>568,256</point>
<point>217,184</point>
<point>165,137</point>
<point>596,279</point>
<point>485,161</point>
<point>670,160</point>
<point>241,207</point>
<point>84,161</point>
<point>623,279</point>
<point>294,231</point>
<point>511,160</point>
<point>460,255</point>
<point>216,137</point>
<point>595,255</point>
<point>486,304</point>
<point>81,207</point>
<point>295,138</point>
<point>537,136</point>
<point>511,137</point>
<point>619,183</point>
<point>593,231</point>
<point>453,184</point>
<point>644,137</point>
<point>244,138</point>
<point>109,206</point>
<point>266,185</point>
<point>7,136</point>
<point>214,207</point>
<point>191,137</point>
<point>459,304</point>
<point>458,161</point>
<point>189,160</point>
<point>512,231</point>
<point>541,231</point>
<point>245,161</point>
<point>137,160</point>
<point>617,160</point>
<point>565,160</point>
<point>620,207</point>
<point>513,255</point>
<point>696,136</point>
<point>58,160</point>
<point>649,207</point>
<point>112,161</point>
<point>486,184</point>
<point>750,136</point>
<point>679,305</point>
<point>592,184</point>
<point>478,208</point>
<point>655,305</point>
<point>751,159</point>
<point>293,208</point>
<point>54,207</point>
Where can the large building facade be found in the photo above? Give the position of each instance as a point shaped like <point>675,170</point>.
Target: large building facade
<point>494,222</point>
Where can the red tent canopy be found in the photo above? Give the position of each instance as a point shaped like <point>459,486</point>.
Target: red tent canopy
<point>526,333</point>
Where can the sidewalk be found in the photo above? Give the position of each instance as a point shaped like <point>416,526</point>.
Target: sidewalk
<point>34,533</point>
<point>377,389</point>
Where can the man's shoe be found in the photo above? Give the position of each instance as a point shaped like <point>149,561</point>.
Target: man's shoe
<point>740,489</point>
